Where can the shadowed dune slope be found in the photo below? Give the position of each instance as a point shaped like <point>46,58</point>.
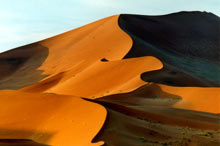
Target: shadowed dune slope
<point>19,67</point>
<point>188,44</point>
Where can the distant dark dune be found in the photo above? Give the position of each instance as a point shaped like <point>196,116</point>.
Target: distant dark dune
<point>188,44</point>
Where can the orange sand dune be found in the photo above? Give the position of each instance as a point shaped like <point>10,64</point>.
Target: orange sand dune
<point>102,78</point>
<point>80,48</point>
<point>50,119</point>
<point>195,98</point>
<point>67,120</point>
<point>51,75</point>
<point>75,50</point>
<point>84,75</point>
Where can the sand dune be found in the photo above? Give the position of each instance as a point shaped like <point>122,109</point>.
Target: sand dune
<point>187,43</point>
<point>195,98</point>
<point>72,52</point>
<point>156,89</point>
<point>49,119</point>
<point>147,117</point>
<point>102,78</point>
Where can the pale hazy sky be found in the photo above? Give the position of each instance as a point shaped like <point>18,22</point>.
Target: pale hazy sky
<point>26,21</point>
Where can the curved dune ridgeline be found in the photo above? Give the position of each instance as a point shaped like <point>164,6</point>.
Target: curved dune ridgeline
<point>49,119</point>
<point>69,53</point>
<point>52,119</point>
<point>124,80</point>
<point>99,79</point>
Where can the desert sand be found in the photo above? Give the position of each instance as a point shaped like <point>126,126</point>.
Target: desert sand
<point>114,83</point>
<point>49,119</point>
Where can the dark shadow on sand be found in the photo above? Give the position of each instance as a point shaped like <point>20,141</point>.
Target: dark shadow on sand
<point>187,43</point>
<point>19,66</point>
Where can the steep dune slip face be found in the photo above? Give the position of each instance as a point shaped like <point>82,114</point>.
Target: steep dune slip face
<point>187,43</point>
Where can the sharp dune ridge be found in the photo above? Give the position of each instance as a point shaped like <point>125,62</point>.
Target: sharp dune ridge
<point>123,80</point>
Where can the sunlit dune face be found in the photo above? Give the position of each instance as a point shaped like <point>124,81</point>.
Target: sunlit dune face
<point>195,98</point>
<point>206,100</point>
<point>104,78</point>
<point>50,119</point>
<point>99,79</point>
<point>82,47</point>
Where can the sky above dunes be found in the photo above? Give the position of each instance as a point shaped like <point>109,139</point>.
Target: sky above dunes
<point>26,21</point>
